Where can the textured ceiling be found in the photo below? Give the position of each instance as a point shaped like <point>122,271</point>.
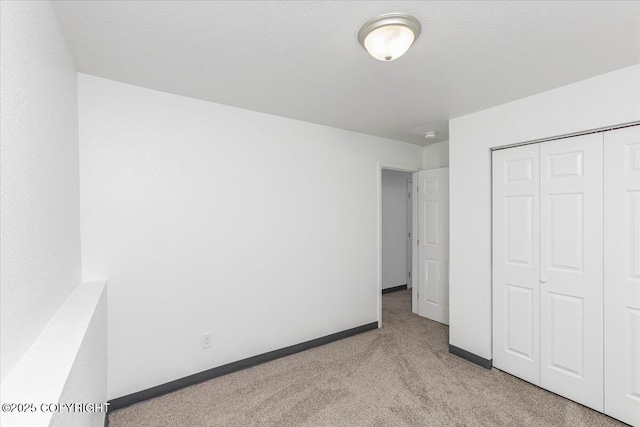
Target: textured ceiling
<point>302,59</point>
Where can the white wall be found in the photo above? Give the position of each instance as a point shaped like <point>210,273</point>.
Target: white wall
<point>394,228</point>
<point>39,220</point>
<point>609,99</point>
<point>208,218</point>
<point>435,156</point>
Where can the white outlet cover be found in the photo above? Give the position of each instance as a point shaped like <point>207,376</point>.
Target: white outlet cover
<point>207,340</point>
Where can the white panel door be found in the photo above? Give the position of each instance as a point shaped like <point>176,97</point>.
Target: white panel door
<point>516,268</point>
<point>433,244</point>
<point>571,270</point>
<point>622,274</point>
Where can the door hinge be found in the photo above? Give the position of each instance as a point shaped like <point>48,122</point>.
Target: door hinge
<point>409,274</point>
<point>409,195</point>
<point>418,189</point>
<point>409,234</point>
<point>418,244</point>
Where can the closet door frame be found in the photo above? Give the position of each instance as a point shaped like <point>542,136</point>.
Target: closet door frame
<point>607,323</point>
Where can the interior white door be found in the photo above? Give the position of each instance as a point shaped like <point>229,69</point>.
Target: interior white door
<point>433,244</point>
<point>516,267</point>
<point>622,274</point>
<point>571,271</point>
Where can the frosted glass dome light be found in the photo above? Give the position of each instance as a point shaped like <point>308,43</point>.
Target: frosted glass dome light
<point>389,36</point>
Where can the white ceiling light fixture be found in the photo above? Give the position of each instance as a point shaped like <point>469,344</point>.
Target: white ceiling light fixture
<point>389,36</point>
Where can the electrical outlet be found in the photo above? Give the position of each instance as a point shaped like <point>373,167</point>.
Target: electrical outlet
<point>207,340</point>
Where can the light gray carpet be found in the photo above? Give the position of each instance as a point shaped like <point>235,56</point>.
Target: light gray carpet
<point>400,375</point>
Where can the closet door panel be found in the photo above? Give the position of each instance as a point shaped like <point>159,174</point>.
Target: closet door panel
<point>516,262</point>
<point>622,274</point>
<point>571,273</point>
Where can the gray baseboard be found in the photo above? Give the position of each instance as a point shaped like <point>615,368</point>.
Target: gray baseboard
<point>473,358</point>
<point>395,288</point>
<point>141,396</point>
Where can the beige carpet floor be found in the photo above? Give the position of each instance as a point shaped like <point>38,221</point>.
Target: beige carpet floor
<point>399,375</point>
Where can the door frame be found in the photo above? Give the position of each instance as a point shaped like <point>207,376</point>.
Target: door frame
<point>409,230</point>
<point>414,256</point>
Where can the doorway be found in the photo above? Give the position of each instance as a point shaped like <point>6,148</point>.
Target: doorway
<point>427,228</point>
<point>397,221</point>
<point>405,202</point>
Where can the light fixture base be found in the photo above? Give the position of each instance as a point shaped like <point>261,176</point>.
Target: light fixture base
<point>400,19</point>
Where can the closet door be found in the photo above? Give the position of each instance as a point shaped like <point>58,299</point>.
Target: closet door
<point>571,271</point>
<point>622,274</point>
<point>516,238</point>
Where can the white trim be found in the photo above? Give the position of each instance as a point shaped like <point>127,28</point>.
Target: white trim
<point>403,168</point>
<point>415,276</point>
